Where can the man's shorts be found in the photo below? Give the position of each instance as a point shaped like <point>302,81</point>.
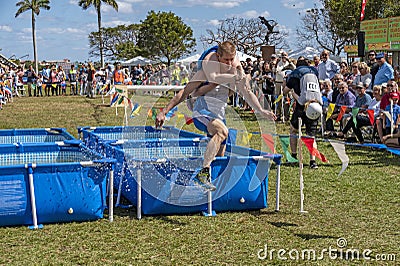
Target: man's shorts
<point>311,125</point>
<point>201,122</point>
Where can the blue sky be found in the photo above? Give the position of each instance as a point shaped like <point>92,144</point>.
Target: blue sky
<point>62,32</point>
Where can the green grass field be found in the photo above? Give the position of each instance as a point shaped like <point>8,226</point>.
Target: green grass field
<point>361,208</point>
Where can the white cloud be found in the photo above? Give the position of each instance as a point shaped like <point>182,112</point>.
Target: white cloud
<point>227,4</point>
<point>292,4</point>
<point>214,22</point>
<point>75,31</point>
<point>253,14</point>
<point>114,23</point>
<point>5,28</point>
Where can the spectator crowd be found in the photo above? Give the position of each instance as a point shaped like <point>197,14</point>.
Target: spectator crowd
<point>358,98</point>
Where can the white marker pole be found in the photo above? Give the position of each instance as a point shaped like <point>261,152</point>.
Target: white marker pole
<point>300,150</point>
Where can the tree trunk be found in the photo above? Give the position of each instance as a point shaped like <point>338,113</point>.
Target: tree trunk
<point>101,36</point>
<point>34,43</point>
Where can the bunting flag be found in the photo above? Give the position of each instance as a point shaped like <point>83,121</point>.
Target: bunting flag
<point>278,99</point>
<point>179,117</point>
<point>54,85</point>
<point>188,119</point>
<point>171,113</point>
<point>114,98</point>
<point>121,99</point>
<point>362,15</point>
<point>354,112</point>
<point>285,140</point>
<point>103,88</point>
<point>329,113</point>
<point>119,90</point>
<point>130,104</point>
<point>309,142</point>
<point>153,113</point>
<point>388,115</point>
<point>269,141</point>
<point>244,138</point>
<point>7,90</point>
<point>136,110</point>
<point>341,152</point>
<point>342,112</point>
<point>112,91</point>
<point>371,116</point>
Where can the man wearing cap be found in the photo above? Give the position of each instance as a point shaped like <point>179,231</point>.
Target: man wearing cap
<point>327,68</point>
<point>385,71</point>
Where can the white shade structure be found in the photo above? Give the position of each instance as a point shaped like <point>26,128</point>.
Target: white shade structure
<point>136,61</point>
<point>190,59</point>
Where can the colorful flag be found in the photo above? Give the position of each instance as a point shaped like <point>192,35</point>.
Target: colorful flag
<point>269,141</point>
<point>179,117</point>
<point>341,152</point>
<point>171,113</point>
<point>388,115</point>
<point>153,113</point>
<point>244,138</point>
<point>136,109</point>
<point>114,98</point>
<point>278,99</point>
<point>189,120</point>
<point>342,112</point>
<point>7,90</point>
<point>130,103</point>
<point>354,112</point>
<point>119,90</point>
<point>329,113</point>
<point>362,15</point>
<point>112,91</point>
<point>121,99</point>
<point>309,142</point>
<point>371,116</point>
<point>285,140</point>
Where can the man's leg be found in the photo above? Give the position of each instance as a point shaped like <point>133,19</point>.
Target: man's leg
<point>219,132</point>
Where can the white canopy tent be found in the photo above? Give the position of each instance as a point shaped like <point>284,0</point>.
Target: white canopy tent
<point>136,61</point>
<point>242,56</point>
<point>307,52</point>
<point>190,59</point>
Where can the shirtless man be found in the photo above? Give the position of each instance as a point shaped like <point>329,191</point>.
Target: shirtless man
<point>218,66</point>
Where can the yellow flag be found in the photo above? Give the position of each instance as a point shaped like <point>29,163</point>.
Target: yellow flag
<point>244,139</point>
<point>329,113</point>
<point>179,118</point>
<point>278,99</point>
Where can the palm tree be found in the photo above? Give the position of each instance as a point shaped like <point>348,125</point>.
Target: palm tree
<point>85,4</point>
<point>34,6</point>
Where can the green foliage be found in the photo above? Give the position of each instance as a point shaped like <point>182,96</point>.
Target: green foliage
<point>337,23</point>
<point>164,36</point>
<point>119,42</point>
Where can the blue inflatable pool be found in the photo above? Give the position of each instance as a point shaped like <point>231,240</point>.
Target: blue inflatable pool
<point>51,183</point>
<point>34,135</point>
<point>155,169</point>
